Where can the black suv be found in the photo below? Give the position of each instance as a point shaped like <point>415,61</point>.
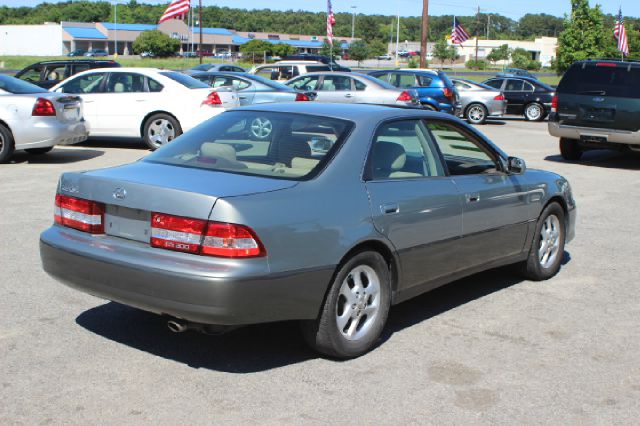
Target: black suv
<point>597,106</point>
<point>47,74</point>
<point>525,96</point>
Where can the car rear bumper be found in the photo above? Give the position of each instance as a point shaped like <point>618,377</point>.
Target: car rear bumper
<point>595,134</point>
<point>46,133</point>
<point>189,287</point>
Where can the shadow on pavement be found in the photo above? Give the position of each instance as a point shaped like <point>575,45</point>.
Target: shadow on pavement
<point>56,156</point>
<point>266,346</point>
<point>609,159</point>
<point>126,143</point>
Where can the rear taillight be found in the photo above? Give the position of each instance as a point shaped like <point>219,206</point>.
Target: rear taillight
<point>606,64</point>
<point>405,97</point>
<point>499,97</point>
<point>213,99</point>
<point>448,93</point>
<point>80,214</point>
<point>176,233</point>
<point>201,237</point>
<point>43,108</point>
<point>229,240</point>
<point>554,103</point>
<point>301,97</point>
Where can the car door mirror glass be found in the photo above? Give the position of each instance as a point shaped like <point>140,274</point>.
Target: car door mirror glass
<point>516,165</point>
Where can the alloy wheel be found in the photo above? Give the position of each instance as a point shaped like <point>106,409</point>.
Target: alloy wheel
<point>476,114</point>
<point>358,302</point>
<point>534,112</point>
<point>549,241</point>
<point>161,131</point>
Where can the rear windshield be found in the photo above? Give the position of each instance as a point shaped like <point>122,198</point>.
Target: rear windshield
<point>618,81</point>
<point>271,144</point>
<point>187,81</point>
<point>17,86</point>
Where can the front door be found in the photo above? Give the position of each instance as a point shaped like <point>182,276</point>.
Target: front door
<point>413,203</point>
<point>496,209</point>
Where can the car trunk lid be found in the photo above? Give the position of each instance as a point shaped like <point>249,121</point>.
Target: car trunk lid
<point>132,193</point>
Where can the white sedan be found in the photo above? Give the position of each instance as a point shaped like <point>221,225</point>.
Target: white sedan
<point>157,105</point>
<point>35,120</point>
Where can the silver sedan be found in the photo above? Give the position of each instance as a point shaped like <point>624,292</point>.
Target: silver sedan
<point>479,101</point>
<point>33,119</point>
<point>344,211</point>
<point>353,88</point>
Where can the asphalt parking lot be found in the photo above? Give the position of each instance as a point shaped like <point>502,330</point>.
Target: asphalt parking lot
<point>491,348</point>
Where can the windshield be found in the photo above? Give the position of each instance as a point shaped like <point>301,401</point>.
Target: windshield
<point>187,81</point>
<point>17,86</point>
<point>271,144</point>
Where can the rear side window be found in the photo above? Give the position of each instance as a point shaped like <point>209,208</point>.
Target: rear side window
<point>495,83</point>
<point>154,86</point>
<point>620,82</point>
<point>185,80</point>
<point>424,81</point>
<point>316,68</point>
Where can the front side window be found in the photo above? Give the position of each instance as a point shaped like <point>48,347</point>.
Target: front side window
<point>54,72</point>
<point>89,83</point>
<point>31,74</point>
<point>276,145</point>
<point>463,153</point>
<point>307,82</point>
<point>402,150</point>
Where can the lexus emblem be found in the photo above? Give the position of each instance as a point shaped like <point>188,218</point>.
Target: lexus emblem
<point>120,194</point>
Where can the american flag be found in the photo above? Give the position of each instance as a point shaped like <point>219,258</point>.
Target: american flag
<point>331,21</point>
<point>621,34</point>
<point>458,34</point>
<point>175,9</point>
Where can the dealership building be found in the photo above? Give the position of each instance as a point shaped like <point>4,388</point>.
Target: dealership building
<point>55,39</point>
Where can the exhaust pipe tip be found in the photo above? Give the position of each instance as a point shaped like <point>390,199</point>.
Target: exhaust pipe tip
<point>177,326</point>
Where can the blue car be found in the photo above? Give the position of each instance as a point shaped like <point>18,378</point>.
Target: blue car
<point>435,91</point>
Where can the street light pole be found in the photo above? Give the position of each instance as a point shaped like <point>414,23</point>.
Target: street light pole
<point>115,26</point>
<point>353,22</point>
<point>200,22</point>
<point>425,32</point>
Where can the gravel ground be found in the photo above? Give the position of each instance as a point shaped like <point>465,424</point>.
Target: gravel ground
<point>488,349</point>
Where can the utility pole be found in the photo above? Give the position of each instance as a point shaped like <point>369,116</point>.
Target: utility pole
<point>398,38</point>
<point>488,25</point>
<point>353,22</point>
<point>477,32</point>
<point>115,33</point>
<point>425,32</point>
<point>200,22</point>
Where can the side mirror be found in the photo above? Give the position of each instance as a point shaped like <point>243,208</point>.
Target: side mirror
<point>516,165</point>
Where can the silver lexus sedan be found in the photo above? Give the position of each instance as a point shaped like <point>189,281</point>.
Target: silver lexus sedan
<point>343,212</point>
<point>34,120</point>
<point>479,101</point>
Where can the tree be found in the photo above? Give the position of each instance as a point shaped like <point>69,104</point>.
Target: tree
<point>377,48</point>
<point>327,50</point>
<point>584,35</point>
<point>501,53</point>
<point>441,51</point>
<point>531,25</point>
<point>452,54</point>
<point>520,58</point>
<point>255,48</point>
<point>359,50</point>
<point>156,42</point>
<point>282,49</point>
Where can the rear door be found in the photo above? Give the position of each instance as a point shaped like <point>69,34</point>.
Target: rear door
<point>124,104</point>
<point>336,88</point>
<point>516,95</point>
<point>246,90</point>
<point>600,95</point>
<point>413,203</point>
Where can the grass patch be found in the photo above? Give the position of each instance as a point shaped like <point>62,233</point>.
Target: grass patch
<point>19,62</point>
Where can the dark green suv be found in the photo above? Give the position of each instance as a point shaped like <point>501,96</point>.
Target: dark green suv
<point>597,105</point>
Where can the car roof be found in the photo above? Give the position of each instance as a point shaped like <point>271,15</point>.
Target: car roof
<point>298,63</point>
<point>73,61</point>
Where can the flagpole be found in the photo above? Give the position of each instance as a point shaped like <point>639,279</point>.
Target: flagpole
<point>200,19</point>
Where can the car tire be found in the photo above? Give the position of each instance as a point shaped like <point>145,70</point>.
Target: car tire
<point>570,149</point>
<point>39,151</point>
<point>355,309</point>
<point>260,129</point>
<point>7,145</point>
<point>534,112</point>
<point>160,129</point>
<point>476,114</point>
<point>547,248</point>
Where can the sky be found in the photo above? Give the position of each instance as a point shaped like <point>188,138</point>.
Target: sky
<point>512,8</point>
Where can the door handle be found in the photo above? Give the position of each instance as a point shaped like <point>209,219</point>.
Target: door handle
<point>141,100</point>
<point>242,97</point>
<point>88,102</point>
<point>348,95</point>
<point>390,208</point>
<point>473,197</point>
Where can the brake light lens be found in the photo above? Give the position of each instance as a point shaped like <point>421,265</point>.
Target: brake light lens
<point>80,214</point>
<point>212,100</point>
<point>499,97</point>
<point>230,240</point>
<point>606,64</point>
<point>201,237</point>
<point>448,93</point>
<point>43,108</point>
<point>554,103</point>
<point>405,97</point>
<point>301,97</point>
